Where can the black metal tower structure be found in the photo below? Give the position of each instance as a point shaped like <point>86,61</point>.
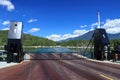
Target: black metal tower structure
<point>14,47</point>
<point>101,45</point>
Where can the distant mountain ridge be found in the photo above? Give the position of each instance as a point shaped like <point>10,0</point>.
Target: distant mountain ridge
<point>88,36</point>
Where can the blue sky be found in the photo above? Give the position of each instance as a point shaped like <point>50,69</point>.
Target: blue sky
<point>60,19</point>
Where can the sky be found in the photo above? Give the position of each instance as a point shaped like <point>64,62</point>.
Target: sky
<point>60,19</point>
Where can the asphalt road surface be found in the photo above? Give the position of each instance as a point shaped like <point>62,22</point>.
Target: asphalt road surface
<point>60,69</point>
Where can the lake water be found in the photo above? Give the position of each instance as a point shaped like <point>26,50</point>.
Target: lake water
<point>88,53</point>
<point>52,50</point>
<point>58,50</point>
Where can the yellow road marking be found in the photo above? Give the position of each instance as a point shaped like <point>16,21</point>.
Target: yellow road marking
<point>106,77</point>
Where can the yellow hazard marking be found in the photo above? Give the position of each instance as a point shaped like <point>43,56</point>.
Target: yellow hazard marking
<point>106,77</point>
<point>21,62</point>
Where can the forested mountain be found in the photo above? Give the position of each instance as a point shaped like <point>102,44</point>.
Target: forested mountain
<point>27,39</point>
<point>30,40</point>
<point>88,36</point>
<point>84,39</point>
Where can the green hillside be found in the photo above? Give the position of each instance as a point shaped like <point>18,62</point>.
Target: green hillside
<point>30,40</point>
<point>3,37</point>
<point>27,39</point>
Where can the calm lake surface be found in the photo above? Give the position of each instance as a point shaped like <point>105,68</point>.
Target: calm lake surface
<point>87,53</point>
<point>52,50</point>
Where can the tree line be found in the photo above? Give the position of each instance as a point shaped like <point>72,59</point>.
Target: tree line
<point>30,40</point>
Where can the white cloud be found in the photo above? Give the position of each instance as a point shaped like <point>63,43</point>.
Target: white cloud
<point>5,29</point>
<point>79,32</point>
<point>34,30</point>
<point>32,20</point>
<point>83,26</point>
<point>6,22</point>
<point>112,26</point>
<point>65,36</point>
<point>58,37</point>
<point>8,4</point>
<point>94,24</point>
<point>54,37</point>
